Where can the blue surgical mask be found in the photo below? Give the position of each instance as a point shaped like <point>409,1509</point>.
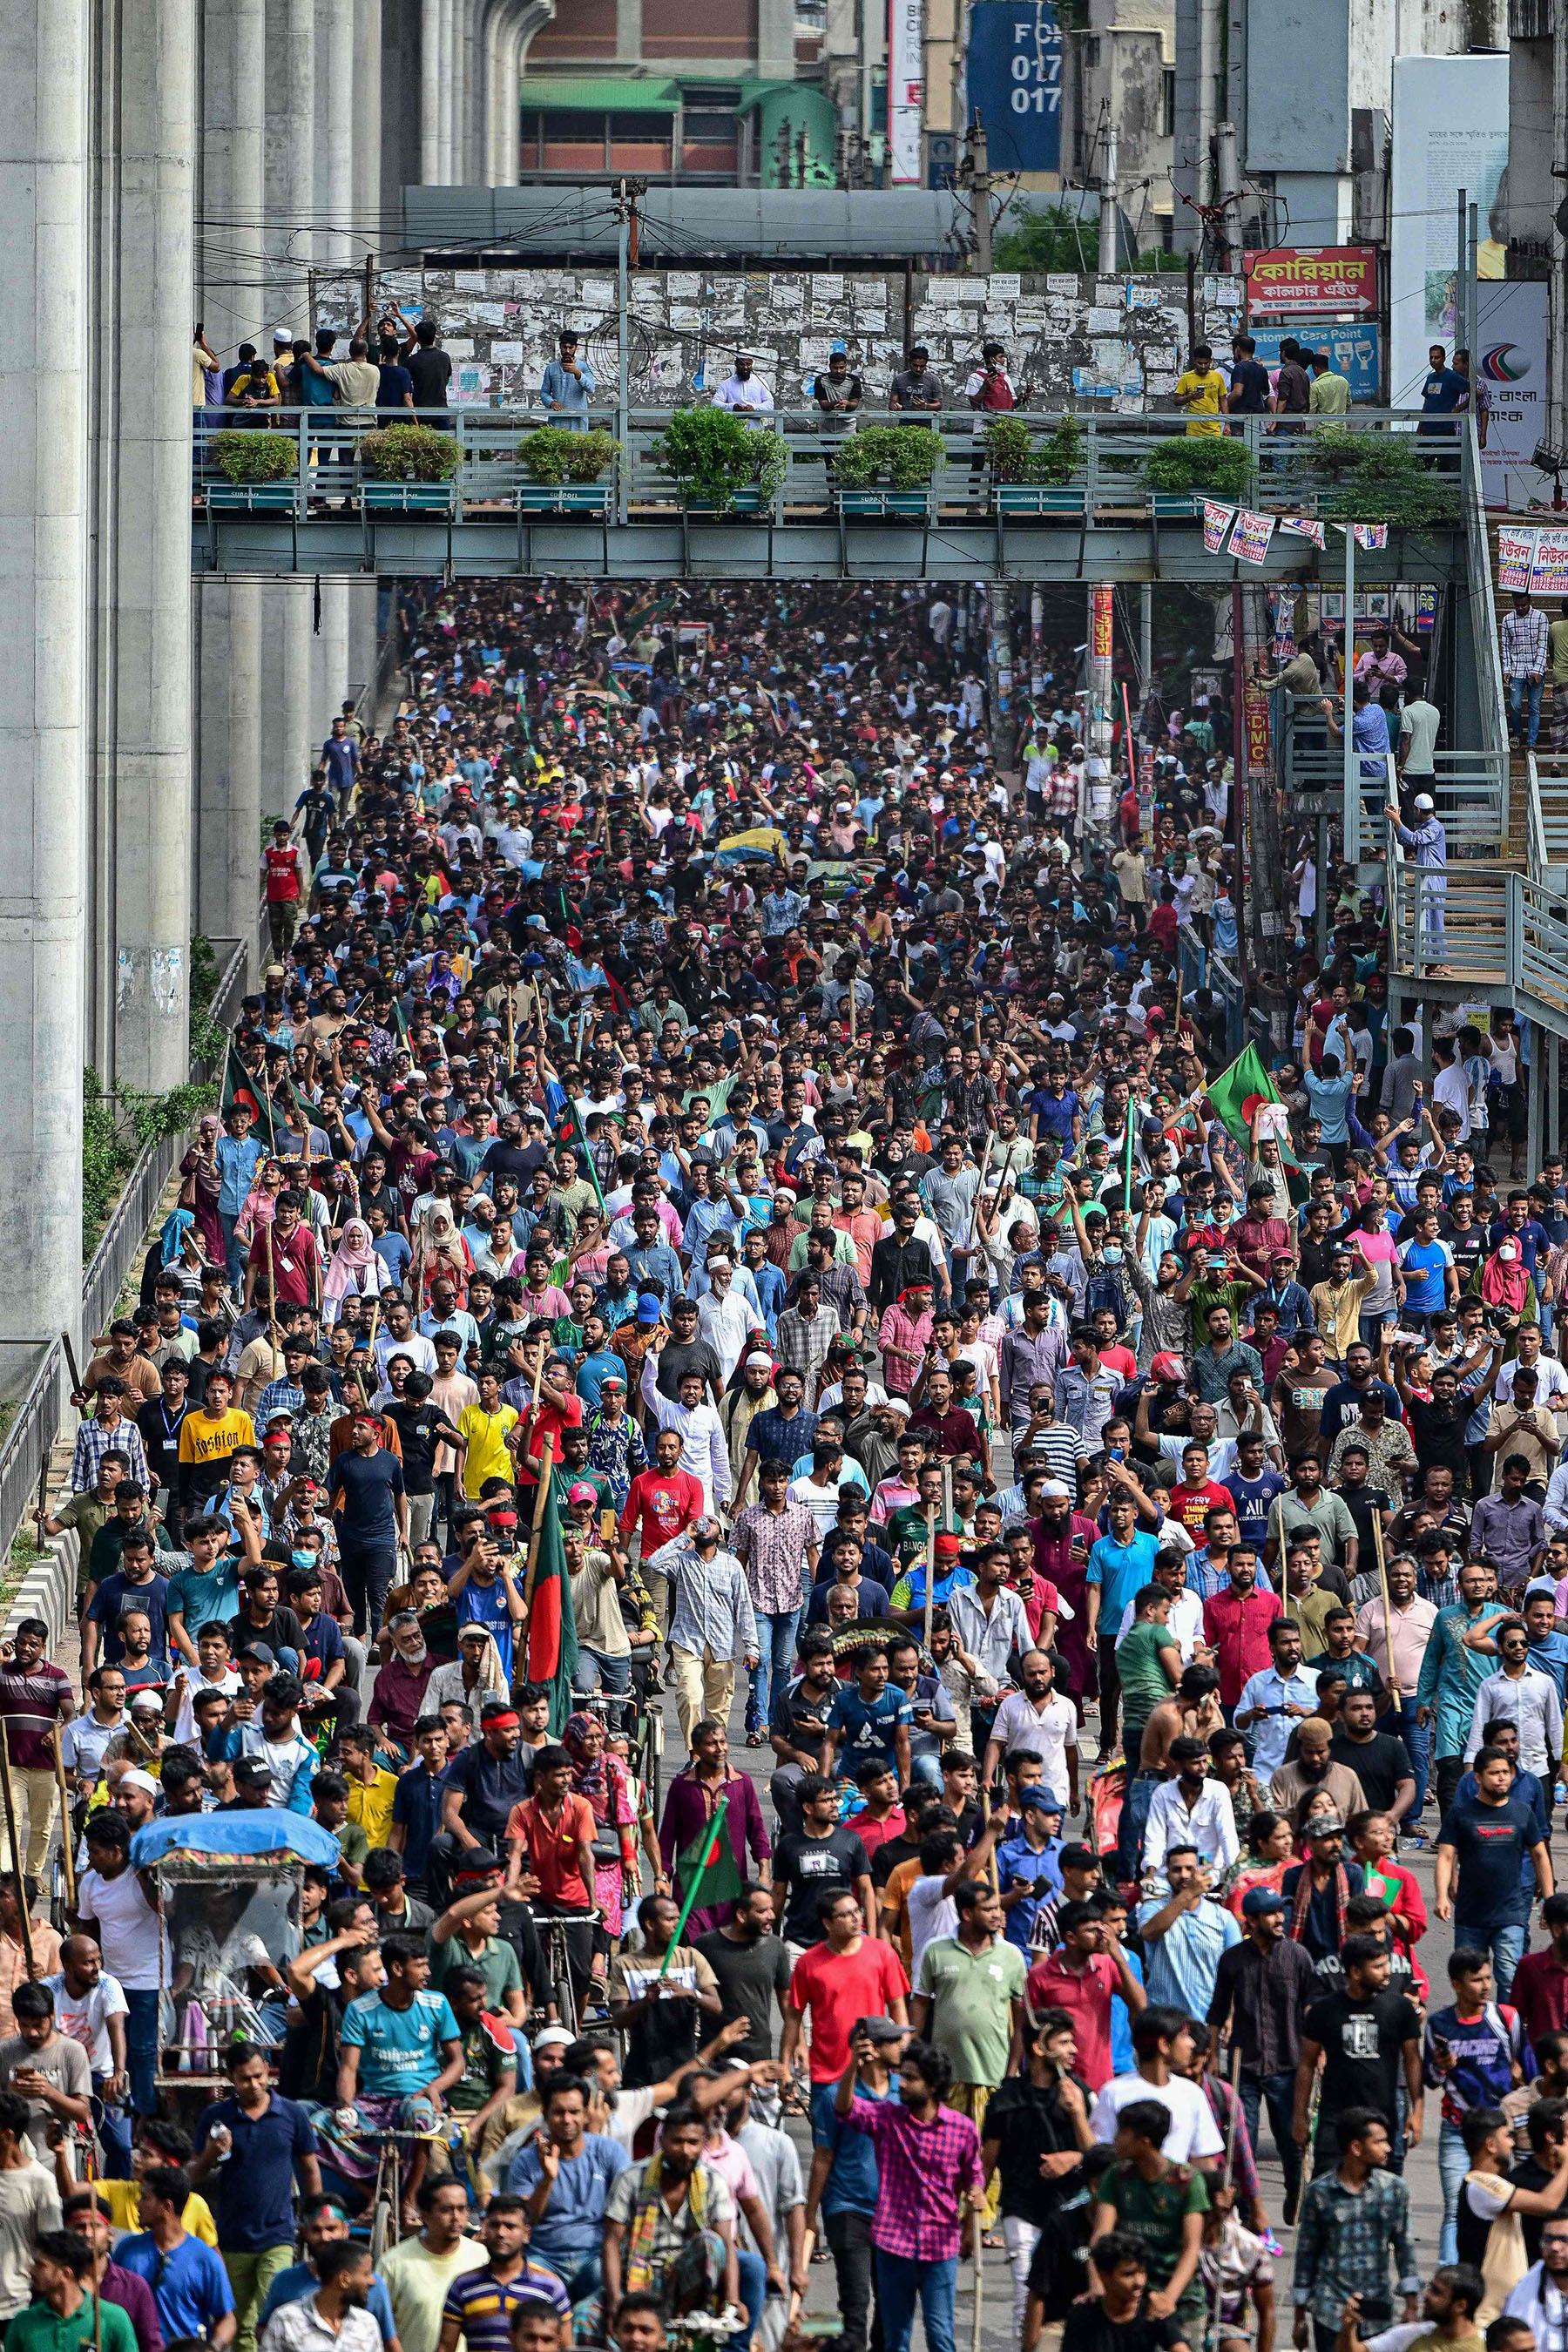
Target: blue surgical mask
<point>303,1559</point>
<point>1112,1253</point>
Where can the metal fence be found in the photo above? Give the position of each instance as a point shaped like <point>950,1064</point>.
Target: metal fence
<point>43,1410</point>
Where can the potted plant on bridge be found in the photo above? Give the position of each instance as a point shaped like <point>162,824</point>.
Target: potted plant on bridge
<point>260,471</point>
<point>1034,478</point>
<point>720,463</point>
<point>567,470</point>
<point>1191,466</point>
<point>885,470</point>
<point>409,466</point>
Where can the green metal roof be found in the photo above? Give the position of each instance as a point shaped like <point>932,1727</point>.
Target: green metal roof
<point>598,94</point>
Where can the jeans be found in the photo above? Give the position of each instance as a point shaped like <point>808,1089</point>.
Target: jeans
<point>1134,1821</point>
<point>114,2127</point>
<point>142,2049</point>
<point>1517,689</point>
<point>752,2279</point>
<point>367,1581</point>
<point>899,2283</point>
<point>1452,2166</point>
<point>1504,1946</point>
<point>848,2233</point>
<point>1417,1739</point>
<point>233,1251</point>
<point>1278,2092</point>
<point>775,1640</point>
<point>1020,2237</point>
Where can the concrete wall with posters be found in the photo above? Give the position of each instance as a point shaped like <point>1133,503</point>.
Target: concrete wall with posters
<point>1117,342</point>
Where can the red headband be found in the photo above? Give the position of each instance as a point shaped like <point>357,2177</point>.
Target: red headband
<point>507,1722</point>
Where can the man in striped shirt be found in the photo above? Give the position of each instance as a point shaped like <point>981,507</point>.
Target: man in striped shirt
<point>1524,663</point>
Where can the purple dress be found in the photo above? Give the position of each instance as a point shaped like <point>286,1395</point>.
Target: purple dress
<point>689,1804</point>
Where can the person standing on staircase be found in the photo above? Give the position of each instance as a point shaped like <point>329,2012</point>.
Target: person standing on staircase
<point>1418,723</point>
<point>1429,842</point>
<point>1524,665</point>
<point>1557,671</point>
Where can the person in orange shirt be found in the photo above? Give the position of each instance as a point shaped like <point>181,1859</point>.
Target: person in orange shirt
<point>554,1832</point>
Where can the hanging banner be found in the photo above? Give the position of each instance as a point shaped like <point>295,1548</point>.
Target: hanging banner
<point>1250,539</point>
<point>1305,527</point>
<point>1216,522</point>
<point>1290,281</point>
<point>1549,571</point>
<point>1257,744</point>
<point>1099,625</point>
<point>1450,132</point>
<point>1512,387</point>
<point>1370,535</point>
<point>905,93</point>
<point>1515,557</point>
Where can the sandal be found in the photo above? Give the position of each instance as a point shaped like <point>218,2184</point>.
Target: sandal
<point>755,1740</point>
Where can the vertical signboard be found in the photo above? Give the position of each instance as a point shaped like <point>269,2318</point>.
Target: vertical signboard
<point>1014,83</point>
<point>1450,132</point>
<point>1510,371</point>
<point>905,93</point>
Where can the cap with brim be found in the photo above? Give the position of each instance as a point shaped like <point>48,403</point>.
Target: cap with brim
<point>1259,1899</point>
<point>582,1493</point>
<point>879,2029</point>
<point>1044,1801</point>
<point>648,1309</point>
<point>259,1653</point>
<point>1319,1825</point>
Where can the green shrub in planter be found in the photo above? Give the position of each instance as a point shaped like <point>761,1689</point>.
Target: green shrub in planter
<point>710,454</point>
<point>248,457</point>
<point>1058,457</point>
<point>1201,462</point>
<point>591,455</point>
<point>1382,477</point>
<point>410,453</point>
<point>901,457</point>
<point>1009,444</point>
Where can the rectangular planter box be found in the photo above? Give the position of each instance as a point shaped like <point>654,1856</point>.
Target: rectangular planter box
<point>886,505</point>
<point>748,500</point>
<point>1039,501</point>
<point>408,498</point>
<point>253,497</point>
<point>565,498</point>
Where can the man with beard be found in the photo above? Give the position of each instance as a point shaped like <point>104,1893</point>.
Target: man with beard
<point>339,2309</point>
<point>669,2225</point>
<point>753,1968</point>
<point>1063,1540</point>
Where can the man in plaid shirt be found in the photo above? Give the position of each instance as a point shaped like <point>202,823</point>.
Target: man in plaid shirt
<point>1062,796</point>
<point>108,1432</point>
<point>1524,663</point>
<point>1352,2219</point>
<point>927,2162</point>
<point>807,1331</point>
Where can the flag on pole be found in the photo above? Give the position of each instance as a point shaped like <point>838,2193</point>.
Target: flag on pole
<point>1236,1094</point>
<point>1127,1186</point>
<point>707,1866</point>
<point>567,1128</point>
<point>552,1627</point>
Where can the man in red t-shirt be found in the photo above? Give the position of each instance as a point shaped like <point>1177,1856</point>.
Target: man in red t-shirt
<point>1081,1978</point>
<point>286,1249</point>
<point>663,1501</point>
<point>1197,1495</point>
<point>849,1976</point>
<point>283,869</point>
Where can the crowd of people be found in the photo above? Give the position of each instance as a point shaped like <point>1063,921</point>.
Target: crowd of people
<point>706,1126</point>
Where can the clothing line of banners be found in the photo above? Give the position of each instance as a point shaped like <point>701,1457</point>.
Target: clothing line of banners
<point>1250,533</point>
<point>1532,563</point>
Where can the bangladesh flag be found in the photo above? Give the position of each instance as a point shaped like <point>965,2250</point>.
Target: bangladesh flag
<point>708,1868</point>
<point>552,1627</point>
<point>1236,1094</point>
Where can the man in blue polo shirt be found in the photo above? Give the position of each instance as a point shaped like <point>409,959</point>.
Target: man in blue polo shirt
<point>1118,1564</point>
<point>1430,1278</point>
<point>249,2148</point>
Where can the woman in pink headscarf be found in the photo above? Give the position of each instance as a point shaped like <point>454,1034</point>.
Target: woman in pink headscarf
<point>1503,1282</point>
<point>356,1271</point>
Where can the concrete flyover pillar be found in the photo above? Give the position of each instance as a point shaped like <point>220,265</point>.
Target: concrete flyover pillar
<point>151,698</point>
<point>231,271</point>
<point>43,599</point>
<point>336,249</point>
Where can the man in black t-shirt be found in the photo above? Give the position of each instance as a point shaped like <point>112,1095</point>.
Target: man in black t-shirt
<point>1110,2322</point>
<point>1249,394</point>
<point>814,1861</point>
<point>1362,2037</point>
<point>421,1427</point>
<point>753,1968</point>
<point>430,370</point>
<point>1380,1761</point>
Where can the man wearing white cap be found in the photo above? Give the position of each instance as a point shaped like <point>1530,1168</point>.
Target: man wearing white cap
<point>1430,843</point>
<point>723,1316</point>
<point>741,391</point>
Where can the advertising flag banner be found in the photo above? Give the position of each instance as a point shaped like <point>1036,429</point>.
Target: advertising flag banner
<point>1515,557</point>
<point>1216,522</point>
<point>1548,572</point>
<point>1305,527</point>
<point>1370,534</point>
<point>1250,539</point>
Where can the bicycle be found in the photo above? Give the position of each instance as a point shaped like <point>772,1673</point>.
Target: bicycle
<point>384,2209</point>
<point>553,1929</point>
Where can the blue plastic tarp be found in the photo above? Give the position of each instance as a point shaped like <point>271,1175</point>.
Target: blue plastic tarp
<point>267,1830</point>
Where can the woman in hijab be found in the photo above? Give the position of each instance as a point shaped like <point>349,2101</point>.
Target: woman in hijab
<point>601,1780</point>
<point>200,1190</point>
<point>1502,1281</point>
<point>441,1249</point>
<point>354,1272</point>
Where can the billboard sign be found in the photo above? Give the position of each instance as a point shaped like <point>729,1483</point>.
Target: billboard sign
<point>1510,370</point>
<point>1291,281</point>
<point>905,93</point>
<point>1014,83</point>
<point>1450,132</point>
<point>1355,351</point>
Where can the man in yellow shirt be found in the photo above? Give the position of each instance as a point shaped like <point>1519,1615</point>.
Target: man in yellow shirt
<point>1201,392</point>
<point>483,1429</point>
<point>371,1786</point>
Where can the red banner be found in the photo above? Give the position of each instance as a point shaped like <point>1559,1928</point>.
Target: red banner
<point>1295,281</point>
<point>1099,625</point>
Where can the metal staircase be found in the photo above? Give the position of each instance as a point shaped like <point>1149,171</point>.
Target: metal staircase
<point>1505,916</point>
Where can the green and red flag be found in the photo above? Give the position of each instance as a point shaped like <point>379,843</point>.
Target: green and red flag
<point>706,1867</point>
<point>1236,1096</point>
<point>552,1626</point>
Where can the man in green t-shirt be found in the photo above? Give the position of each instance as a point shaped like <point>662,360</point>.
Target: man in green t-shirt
<point>489,2078</point>
<point>1149,1661</point>
<point>62,2314</point>
<point>1161,2205</point>
<point>467,1935</point>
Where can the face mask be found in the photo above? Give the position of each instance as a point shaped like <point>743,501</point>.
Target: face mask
<point>1112,1253</point>
<point>303,1559</point>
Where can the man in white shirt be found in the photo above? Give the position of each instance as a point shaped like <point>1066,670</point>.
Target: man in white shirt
<point>703,1452</point>
<point>1036,1721</point>
<point>1157,2036</point>
<point>723,1318</point>
<point>742,393</point>
<point>1191,1811</point>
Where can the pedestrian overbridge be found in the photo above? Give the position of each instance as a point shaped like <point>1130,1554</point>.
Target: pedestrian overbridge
<point>1092,498</point>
